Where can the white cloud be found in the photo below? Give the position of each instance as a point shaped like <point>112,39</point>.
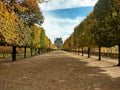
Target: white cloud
<point>60,27</point>
<point>61,4</point>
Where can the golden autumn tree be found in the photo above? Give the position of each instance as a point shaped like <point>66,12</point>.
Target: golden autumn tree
<point>8,26</point>
<point>17,19</point>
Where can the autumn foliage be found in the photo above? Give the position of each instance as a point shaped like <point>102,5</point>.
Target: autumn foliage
<point>101,28</point>
<point>20,25</point>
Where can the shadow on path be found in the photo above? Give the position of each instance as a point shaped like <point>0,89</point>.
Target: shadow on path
<point>55,71</point>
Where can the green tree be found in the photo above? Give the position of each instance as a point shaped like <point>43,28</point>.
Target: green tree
<point>107,14</point>
<point>42,40</point>
<point>88,25</point>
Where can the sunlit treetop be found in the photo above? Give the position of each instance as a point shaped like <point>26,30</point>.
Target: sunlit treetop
<point>28,9</point>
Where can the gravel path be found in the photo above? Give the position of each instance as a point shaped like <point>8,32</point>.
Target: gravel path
<point>59,70</point>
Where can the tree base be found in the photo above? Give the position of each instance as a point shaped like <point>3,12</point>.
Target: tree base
<point>118,64</point>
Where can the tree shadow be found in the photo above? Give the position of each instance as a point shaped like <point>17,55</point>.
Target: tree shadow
<point>83,77</point>
<point>63,73</point>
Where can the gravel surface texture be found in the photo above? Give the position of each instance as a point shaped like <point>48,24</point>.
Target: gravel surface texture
<point>59,70</point>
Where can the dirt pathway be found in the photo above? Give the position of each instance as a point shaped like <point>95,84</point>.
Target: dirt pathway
<point>58,71</point>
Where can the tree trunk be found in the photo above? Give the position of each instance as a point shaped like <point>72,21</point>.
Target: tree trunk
<point>31,51</point>
<point>82,52</point>
<point>25,52</point>
<point>89,52</point>
<point>78,51</point>
<point>14,53</point>
<point>99,58</point>
<point>38,50</point>
<point>75,51</point>
<point>3,55</point>
<point>118,55</point>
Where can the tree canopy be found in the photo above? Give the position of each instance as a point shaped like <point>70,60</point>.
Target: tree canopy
<point>100,28</point>
<point>18,19</point>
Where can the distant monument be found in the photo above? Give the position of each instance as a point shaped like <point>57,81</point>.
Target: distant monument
<point>58,43</point>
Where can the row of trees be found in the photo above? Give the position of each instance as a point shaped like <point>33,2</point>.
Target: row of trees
<point>101,28</point>
<point>20,22</point>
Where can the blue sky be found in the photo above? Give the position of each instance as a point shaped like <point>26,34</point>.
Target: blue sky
<point>61,16</point>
